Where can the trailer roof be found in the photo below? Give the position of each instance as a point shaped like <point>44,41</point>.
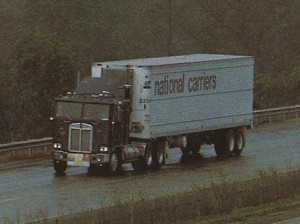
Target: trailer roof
<point>193,58</point>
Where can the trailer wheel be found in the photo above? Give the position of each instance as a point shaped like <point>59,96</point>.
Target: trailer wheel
<point>229,142</point>
<point>59,166</point>
<point>239,142</point>
<point>224,143</point>
<point>159,155</point>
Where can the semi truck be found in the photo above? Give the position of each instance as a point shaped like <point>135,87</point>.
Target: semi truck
<point>134,111</point>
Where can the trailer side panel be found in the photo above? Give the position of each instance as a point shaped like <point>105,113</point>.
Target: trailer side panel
<point>201,96</point>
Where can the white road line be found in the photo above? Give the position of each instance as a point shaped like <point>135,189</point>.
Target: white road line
<point>10,199</point>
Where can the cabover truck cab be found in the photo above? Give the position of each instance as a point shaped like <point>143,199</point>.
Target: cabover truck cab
<point>133,111</point>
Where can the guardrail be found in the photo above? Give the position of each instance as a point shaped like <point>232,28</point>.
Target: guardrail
<point>42,147</point>
<point>26,149</point>
<point>276,115</point>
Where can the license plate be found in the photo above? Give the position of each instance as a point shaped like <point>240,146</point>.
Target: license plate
<point>78,159</point>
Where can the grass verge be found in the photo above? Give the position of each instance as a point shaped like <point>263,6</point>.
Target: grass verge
<point>265,213</point>
<point>219,203</point>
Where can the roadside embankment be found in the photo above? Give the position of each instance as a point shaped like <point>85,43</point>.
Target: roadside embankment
<point>222,198</point>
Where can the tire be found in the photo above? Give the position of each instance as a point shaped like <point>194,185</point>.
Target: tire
<point>229,142</point>
<point>159,155</point>
<point>225,143</point>
<point>114,166</point>
<point>145,163</point>
<point>239,142</point>
<point>59,166</point>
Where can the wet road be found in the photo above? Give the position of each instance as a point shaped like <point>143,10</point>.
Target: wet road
<point>35,192</point>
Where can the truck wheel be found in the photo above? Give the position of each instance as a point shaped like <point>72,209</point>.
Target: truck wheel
<point>224,143</point>
<point>145,163</point>
<point>229,142</point>
<point>59,166</point>
<point>148,159</point>
<point>239,142</point>
<point>159,155</point>
<point>114,166</point>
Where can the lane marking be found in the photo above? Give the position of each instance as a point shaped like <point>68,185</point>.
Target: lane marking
<point>10,199</point>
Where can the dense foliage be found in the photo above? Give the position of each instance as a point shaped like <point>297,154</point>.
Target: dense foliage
<point>45,44</point>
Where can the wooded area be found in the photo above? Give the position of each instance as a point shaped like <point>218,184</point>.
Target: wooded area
<point>46,43</point>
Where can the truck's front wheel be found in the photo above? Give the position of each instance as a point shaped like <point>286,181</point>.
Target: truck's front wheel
<point>114,166</point>
<point>59,166</point>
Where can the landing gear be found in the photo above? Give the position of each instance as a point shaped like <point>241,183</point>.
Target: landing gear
<point>190,151</point>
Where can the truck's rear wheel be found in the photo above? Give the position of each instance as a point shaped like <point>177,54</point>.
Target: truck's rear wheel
<point>239,142</point>
<point>159,154</point>
<point>145,163</point>
<point>59,166</point>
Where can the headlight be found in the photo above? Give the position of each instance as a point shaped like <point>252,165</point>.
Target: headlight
<point>103,149</point>
<point>57,145</point>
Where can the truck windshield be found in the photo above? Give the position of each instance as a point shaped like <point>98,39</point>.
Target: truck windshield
<point>67,109</point>
<point>85,111</point>
<point>96,111</point>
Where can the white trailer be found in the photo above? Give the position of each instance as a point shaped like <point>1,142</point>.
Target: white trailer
<point>173,98</point>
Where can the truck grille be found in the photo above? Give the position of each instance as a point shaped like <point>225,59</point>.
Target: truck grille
<point>80,137</point>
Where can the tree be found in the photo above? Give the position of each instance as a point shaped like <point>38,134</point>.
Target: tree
<point>41,70</point>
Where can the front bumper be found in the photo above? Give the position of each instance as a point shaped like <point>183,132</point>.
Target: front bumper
<point>99,158</point>
<point>94,158</point>
<point>60,155</point>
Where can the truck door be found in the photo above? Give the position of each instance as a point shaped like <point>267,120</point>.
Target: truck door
<point>120,125</point>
